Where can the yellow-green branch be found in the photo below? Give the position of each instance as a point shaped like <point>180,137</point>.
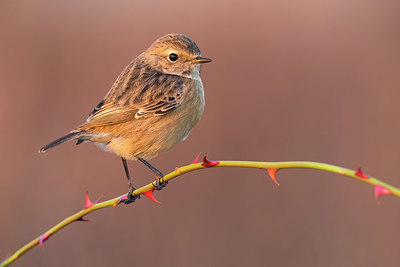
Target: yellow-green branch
<point>387,189</point>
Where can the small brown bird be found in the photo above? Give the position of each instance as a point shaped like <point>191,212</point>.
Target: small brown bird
<point>152,106</point>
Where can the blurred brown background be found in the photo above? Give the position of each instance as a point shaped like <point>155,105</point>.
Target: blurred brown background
<point>291,80</point>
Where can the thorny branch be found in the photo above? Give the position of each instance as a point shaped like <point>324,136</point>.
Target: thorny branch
<point>381,188</point>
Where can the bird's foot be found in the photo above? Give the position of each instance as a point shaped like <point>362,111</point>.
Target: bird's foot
<point>160,183</point>
<point>129,198</point>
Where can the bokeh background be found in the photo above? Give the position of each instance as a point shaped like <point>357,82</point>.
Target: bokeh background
<point>291,80</point>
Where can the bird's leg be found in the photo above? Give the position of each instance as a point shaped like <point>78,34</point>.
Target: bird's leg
<point>129,197</point>
<point>160,184</point>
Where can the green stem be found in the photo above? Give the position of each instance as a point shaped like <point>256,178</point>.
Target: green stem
<point>196,166</point>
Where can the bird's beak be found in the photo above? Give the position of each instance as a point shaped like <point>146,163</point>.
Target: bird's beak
<point>200,59</point>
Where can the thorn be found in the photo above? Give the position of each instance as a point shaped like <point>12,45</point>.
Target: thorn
<point>360,174</point>
<point>208,163</point>
<point>43,238</point>
<point>178,170</point>
<point>98,199</point>
<point>196,160</point>
<point>272,173</point>
<point>150,195</point>
<point>381,190</point>
<point>89,203</point>
<point>81,219</point>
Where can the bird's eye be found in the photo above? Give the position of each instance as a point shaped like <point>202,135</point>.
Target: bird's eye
<point>173,57</point>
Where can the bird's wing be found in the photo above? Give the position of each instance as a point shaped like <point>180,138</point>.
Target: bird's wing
<point>138,96</point>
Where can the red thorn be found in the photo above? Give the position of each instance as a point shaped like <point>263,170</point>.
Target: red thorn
<point>272,173</point>
<point>208,163</point>
<point>381,190</point>
<point>89,203</point>
<point>43,238</point>
<point>150,195</point>
<point>196,160</point>
<point>360,174</point>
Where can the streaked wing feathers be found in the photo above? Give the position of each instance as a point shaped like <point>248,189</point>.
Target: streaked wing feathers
<point>161,107</point>
<point>111,114</point>
<point>149,94</point>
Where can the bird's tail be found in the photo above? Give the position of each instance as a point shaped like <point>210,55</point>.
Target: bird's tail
<point>62,140</point>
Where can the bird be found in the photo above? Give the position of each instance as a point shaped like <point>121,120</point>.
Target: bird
<point>151,107</point>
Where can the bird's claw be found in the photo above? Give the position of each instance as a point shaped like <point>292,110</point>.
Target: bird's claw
<point>160,183</point>
<point>129,198</point>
